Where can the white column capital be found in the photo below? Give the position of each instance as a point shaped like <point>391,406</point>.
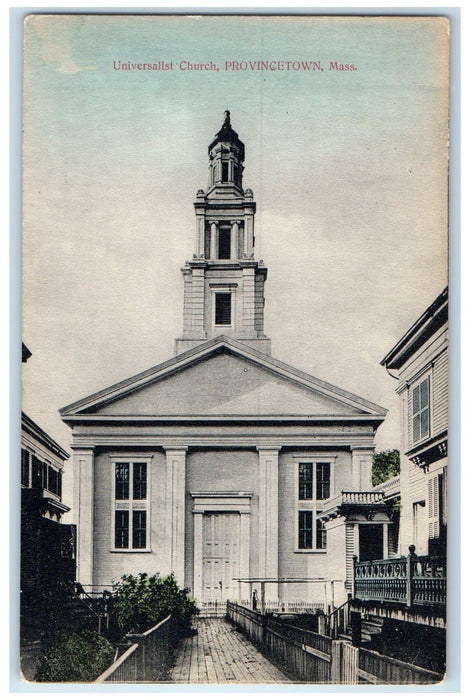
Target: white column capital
<point>175,449</point>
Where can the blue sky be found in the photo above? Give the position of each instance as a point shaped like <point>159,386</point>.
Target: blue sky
<point>348,170</point>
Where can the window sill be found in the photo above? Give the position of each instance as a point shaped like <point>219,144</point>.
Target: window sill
<point>310,551</point>
<point>130,551</point>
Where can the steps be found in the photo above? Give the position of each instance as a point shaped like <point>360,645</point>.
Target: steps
<point>370,626</point>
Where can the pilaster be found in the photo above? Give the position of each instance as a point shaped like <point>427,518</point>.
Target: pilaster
<point>175,508</point>
<point>198,277</point>
<point>268,515</point>
<point>362,467</point>
<point>248,323</point>
<point>83,460</point>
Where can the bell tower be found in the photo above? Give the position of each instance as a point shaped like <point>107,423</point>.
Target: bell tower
<point>223,283</point>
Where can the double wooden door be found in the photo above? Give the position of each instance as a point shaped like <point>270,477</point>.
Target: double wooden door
<point>220,556</point>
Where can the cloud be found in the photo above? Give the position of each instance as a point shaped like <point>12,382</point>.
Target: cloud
<point>56,35</point>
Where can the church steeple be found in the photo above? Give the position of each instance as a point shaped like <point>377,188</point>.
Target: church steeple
<point>223,284</point>
<point>226,156</point>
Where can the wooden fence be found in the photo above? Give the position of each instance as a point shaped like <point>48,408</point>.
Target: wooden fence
<point>374,668</point>
<point>306,656</point>
<point>316,658</point>
<point>147,659</point>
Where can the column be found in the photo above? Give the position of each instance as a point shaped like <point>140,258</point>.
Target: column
<point>234,243</point>
<point>213,240</point>
<point>83,460</point>
<point>175,509</point>
<point>268,516</point>
<point>385,540</point>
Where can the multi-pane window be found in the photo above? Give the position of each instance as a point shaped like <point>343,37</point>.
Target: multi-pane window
<point>313,487</point>
<point>131,506</point>
<point>421,410</point>
<point>323,480</point>
<point>42,474</point>
<point>321,534</point>
<point>305,529</point>
<point>25,456</point>
<point>223,309</point>
<point>305,481</point>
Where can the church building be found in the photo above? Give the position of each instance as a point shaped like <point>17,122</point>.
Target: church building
<point>223,465</point>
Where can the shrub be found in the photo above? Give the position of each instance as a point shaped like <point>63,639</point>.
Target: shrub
<point>140,602</point>
<point>75,657</point>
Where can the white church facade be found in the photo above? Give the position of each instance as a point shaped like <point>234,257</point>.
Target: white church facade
<point>224,465</point>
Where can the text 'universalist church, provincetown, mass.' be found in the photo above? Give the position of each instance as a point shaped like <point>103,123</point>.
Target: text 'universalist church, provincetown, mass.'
<point>271,66</point>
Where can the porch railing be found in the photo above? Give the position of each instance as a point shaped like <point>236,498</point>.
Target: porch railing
<point>411,580</point>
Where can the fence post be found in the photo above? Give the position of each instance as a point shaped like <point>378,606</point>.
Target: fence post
<point>350,662</point>
<point>409,575</point>
<point>335,669</point>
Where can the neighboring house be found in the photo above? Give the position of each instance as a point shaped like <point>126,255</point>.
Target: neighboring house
<point>404,594</point>
<point>224,465</point>
<point>47,544</point>
<point>420,359</point>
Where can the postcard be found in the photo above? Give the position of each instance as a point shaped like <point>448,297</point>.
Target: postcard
<point>235,349</point>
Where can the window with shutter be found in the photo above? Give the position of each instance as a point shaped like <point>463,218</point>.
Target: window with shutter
<point>421,410</point>
<point>433,508</point>
<point>223,309</point>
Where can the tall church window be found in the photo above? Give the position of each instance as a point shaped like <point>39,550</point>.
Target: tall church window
<point>223,252</point>
<point>421,410</point>
<point>131,505</point>
<point>223,309</point>
<point>314,486</point>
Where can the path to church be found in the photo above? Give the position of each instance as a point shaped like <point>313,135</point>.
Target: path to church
<point>221,654</point>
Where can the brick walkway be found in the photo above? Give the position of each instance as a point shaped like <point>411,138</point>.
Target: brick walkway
<point>221,654</point>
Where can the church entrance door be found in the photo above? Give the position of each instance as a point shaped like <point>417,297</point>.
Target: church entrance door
<point>220,556</point>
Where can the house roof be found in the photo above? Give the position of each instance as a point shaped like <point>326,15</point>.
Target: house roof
<point>356,406</point>
<point>435,316</point>
<point>33,429</point>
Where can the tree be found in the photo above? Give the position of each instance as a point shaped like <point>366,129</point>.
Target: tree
<point>385,465</point>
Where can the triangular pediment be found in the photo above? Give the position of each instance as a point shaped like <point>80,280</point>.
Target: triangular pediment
<point>223,378</point>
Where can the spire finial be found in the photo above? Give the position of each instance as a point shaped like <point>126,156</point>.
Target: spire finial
<point>227,118</point>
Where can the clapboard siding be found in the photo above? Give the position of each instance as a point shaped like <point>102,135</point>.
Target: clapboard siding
<point>349,555</point>
<point>440,394</point>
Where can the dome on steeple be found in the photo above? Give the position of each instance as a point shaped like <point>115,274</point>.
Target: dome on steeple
<point>228,135</point>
